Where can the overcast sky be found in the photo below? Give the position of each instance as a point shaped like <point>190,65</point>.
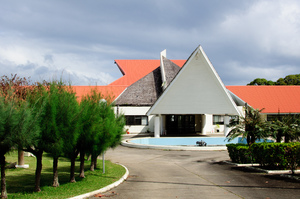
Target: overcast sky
<point>79,40</point>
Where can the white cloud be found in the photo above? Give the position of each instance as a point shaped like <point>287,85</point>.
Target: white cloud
<point>271,26</point>
<point>32,58</point>
<point>82,39</point>
<point>241,74</point>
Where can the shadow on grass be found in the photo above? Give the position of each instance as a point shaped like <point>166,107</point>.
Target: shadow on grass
<point>26,182</point>
<point>22,182</point>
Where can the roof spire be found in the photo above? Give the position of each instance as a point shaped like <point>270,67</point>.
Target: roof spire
<point>162,68</point>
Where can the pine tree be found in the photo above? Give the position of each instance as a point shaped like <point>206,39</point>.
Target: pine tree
<point>18,126</point>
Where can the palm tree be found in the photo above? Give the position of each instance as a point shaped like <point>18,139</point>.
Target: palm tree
<point>251,127</point>
<point>286,126</point>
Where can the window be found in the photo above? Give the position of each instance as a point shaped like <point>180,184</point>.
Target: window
<point>136,120</point>
<point>218,119</point>
<point>234,120</point>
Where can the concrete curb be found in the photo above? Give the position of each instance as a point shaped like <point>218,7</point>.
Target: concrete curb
<point>104,189</point>
<point>127,143</point>
<point>255,165</point>
<point>242,165</point>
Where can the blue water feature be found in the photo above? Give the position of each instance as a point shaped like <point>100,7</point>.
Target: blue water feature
<point>189,141</point>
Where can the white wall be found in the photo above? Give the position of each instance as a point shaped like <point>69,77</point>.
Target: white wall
<point>207,122</point>
<point>130,110</point>
<point>197,89</point>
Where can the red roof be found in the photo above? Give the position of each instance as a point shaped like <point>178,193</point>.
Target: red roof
<point>133,70</point>
<point>111,92</point>
<point>274,99</point>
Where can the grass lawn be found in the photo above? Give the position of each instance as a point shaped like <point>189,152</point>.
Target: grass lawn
<point>20,182</point>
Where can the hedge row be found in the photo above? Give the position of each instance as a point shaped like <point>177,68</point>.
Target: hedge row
<point>273,155</point>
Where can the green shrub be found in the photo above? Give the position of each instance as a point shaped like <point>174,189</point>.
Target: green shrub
<point>273,155</point>
<point>239,153</point>
<point>270,154</point>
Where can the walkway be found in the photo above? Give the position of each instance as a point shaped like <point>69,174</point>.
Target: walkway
<point>192,174</point>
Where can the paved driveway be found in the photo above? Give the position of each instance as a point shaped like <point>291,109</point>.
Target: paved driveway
<point>193,174</point>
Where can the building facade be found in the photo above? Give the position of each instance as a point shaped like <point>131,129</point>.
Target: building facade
<point>187,97</point>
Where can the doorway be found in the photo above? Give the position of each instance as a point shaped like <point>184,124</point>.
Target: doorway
<point>180,124</point>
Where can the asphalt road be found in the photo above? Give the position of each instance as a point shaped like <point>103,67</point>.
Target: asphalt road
<point>193,174</point>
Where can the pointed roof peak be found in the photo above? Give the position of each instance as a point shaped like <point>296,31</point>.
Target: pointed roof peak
<point>196,89</point>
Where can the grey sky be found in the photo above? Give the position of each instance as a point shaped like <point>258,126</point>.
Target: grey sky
<point>79,40</point>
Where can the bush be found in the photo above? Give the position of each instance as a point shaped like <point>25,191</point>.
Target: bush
<point>273,155</point>
<point>239,153</point>
<point>270,154</point>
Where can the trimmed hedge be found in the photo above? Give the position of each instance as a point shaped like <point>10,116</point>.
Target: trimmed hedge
<point>239,153</point>
<point>273,155</point>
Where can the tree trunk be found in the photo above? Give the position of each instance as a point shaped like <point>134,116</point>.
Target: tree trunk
<point>3,182</point>
<point>55,172</point>
<point>287,138</point>
<point>72,170</point>
<point>253,139</point>
<point>38,171</point>
<point>93,163</point>
<point>82,154</point>
<point>20,157</point>
<point>248,140</point>
<point>278,138</point>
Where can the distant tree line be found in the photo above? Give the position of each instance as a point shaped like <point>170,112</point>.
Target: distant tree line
<point>47,117</point>
<point>288,80</point>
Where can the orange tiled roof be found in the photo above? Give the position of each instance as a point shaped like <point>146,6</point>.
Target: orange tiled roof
<point>108,91</point>
<point>274,99</point>
<point>134,70</point>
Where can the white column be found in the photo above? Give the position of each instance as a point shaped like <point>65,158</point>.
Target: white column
<point>203,125</point>
<point>226,122</point>
<point>207,124</point>
<point>162,126</point>
<point>157,126</point>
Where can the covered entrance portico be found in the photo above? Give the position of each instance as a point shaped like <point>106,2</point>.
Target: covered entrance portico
<point>188,103</point>
<point>186,124</point>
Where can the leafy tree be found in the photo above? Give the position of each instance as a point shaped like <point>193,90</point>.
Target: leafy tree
<point>102,134</point>
<point>20,88</point>
<point>292,79</point>
<point>39,102</point>
<point>18,84</point>
<point>251,127</point>
<point>8,123</point>
<point>92,118</point>
<point>68,125</point>
<point>261,81</point>
<point>87,120</point>
<point>111,130</point>
<point>280,81</point>
<point>60,125</point>
<point>100,129</point>
<point>287,126</point>
<point>288,80</point>
<point>17,128</point>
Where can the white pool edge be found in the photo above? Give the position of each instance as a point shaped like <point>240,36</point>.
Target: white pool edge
<point>127,143</point>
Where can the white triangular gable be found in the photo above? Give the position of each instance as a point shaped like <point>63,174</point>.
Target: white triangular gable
<point>196,89</point>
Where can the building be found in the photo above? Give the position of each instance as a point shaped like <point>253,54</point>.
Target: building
<point>187,97</point>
